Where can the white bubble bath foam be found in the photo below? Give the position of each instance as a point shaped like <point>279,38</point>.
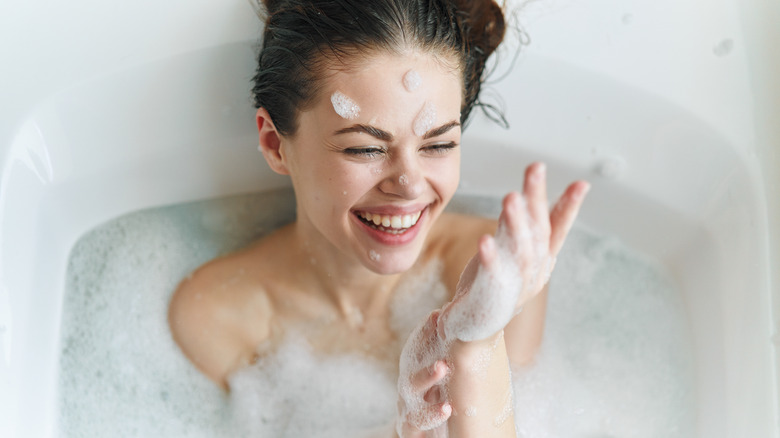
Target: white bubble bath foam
<point>135,160</point>
<point>616,360</point>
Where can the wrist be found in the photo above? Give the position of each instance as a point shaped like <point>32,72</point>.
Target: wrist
<point>474,355</point>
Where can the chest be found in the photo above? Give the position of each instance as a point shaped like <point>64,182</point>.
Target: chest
<point>379,334</point>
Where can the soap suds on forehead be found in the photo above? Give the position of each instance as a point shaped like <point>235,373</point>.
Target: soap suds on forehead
<point>412,80</point>
<point>344,106</point>
<point>425,119</point>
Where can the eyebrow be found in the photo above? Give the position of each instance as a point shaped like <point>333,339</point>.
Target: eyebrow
<point>367,129</point>
<point>386,136</point>
<point>440,130</point>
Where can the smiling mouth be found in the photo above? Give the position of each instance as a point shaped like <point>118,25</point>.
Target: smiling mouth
<point>397,224</point>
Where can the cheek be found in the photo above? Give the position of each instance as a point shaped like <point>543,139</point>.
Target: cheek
<point>344,183</point>
<point>446,174</point>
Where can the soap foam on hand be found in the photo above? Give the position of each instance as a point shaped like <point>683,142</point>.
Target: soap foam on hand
<point>485,306</point>
<point>422,349</point>
<point>481,308</point>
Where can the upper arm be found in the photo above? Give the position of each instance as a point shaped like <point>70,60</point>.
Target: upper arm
<point>210,326</point>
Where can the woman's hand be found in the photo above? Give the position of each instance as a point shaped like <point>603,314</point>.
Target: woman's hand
<point>508,270</point>
<point>423,410</point>
<point>513,266</point>
<point>530,235</point>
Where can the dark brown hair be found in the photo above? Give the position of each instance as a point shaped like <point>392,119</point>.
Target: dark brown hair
<point>302,37</point>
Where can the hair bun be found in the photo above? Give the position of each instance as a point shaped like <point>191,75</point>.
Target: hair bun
<point>269,5</point>
<point>483,24</point>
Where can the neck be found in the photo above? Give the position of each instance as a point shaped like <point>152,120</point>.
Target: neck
<point>353,288</point>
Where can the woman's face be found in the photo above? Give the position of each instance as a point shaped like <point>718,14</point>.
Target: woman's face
<point>377,158</point>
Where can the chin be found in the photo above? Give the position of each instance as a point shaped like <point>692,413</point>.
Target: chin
<point>390,267</point>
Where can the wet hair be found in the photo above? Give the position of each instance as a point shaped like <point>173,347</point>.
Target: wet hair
<point>302,38</point>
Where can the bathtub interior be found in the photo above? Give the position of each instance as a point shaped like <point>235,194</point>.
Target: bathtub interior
<point>668,180</point>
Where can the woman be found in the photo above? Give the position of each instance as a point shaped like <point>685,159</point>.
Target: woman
<point>362,105</point>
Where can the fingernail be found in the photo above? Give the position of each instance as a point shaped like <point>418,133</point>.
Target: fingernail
<point>489,244</point>
<point>578,193</point>
<point>539,173</point>
<point>584,191</point>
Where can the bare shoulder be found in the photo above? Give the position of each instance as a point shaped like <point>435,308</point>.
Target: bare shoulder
<point>220,314</point>
<point>455,239</point>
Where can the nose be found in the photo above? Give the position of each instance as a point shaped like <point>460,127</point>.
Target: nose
<point>406,179</point>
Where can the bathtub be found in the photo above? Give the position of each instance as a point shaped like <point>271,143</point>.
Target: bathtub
<point>671,111</point>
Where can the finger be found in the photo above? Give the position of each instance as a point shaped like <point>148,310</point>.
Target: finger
<point>565,212</point>
<point>434,395</point>
<point>535,192</point>
<point>430,416</point>
<point>516,234</point>
<point>427,338</point>
<point>430,325</point>
<point>424,379</point>
<point>513,223</point>
<point>487,252</point>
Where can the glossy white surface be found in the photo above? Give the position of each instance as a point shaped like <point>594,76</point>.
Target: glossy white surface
<point>669,108</point>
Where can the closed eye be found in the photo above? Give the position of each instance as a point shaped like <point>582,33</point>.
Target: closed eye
<point>366,152</point>
<point>440,148</point>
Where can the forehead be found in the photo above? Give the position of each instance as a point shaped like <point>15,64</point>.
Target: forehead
<point>386,61</point>
<point>378,79</point>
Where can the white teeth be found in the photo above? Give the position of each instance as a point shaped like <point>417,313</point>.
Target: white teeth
<point>392,223</point>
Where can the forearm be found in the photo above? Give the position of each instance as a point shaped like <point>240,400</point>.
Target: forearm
<point>523,334</point>
<point>480,390</point>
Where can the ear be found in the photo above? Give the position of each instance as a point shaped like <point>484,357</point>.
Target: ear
<point>271,143</point>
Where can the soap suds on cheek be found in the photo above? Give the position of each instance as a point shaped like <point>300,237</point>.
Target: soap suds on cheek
<point>425,119</point>
<point>344,106</point>
<point>403,180</point>
<point>374,256</point>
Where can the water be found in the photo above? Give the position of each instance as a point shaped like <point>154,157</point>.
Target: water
<point>121,374</point>
<point>615,361</point>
